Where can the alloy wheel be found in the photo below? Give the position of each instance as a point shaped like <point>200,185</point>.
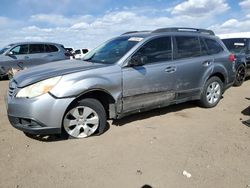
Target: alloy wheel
<point>81,122</point>
<point>213,92</point>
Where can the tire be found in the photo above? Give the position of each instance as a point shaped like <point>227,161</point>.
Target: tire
<point>240,75</point>
<point>85,118</point>
<point>211,93</point>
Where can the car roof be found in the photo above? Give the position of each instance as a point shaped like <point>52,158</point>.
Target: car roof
<point>171,31</point>
<point>34,42</point>
<point>234,35</point>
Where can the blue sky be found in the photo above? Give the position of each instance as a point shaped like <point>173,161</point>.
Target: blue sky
<point>87,23</point>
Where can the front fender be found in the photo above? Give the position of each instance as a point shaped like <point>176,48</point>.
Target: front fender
<point>78,84</point>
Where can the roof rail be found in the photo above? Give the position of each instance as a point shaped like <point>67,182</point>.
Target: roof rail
<point>130,32</point>
<point>184,29</point>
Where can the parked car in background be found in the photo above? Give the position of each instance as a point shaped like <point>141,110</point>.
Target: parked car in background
<point>239,44</point>
<point>23,55</point>
<point>131,73</point>
<point>71,51</point>
<point>80,53</point>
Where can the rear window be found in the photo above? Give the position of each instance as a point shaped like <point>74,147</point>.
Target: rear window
<point>236,45</point>
<point>213,47</point>
<point>187,46</point>
<point>50,48</point>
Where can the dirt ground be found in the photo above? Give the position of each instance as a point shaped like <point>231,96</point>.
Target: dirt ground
<point>147,150</point>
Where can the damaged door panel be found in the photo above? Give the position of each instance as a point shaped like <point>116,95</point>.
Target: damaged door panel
<point>152,82</point>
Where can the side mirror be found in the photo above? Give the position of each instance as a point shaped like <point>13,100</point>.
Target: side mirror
<point>138,60</point>
<point>10,53</point>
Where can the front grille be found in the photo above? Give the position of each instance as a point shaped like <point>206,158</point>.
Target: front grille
<point>12,88</point>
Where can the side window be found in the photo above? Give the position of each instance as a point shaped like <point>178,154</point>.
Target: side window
<point>187,46</point>
<point>157,50</point>
<point>36,48</point>
<point>77,52</point>
<point>213,46</point>
<point>21,49</point>
<point>50,48</point>
<point>53,48</point>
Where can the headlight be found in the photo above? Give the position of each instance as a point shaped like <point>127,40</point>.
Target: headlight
<point>38,88</point>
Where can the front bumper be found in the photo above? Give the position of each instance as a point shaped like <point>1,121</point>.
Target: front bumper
<point>40,115</point>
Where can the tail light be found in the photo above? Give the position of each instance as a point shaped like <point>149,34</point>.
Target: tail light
<point>231,58</point>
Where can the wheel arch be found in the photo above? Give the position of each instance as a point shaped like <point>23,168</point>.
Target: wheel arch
<point>220,76</point>
<point>103,96</point>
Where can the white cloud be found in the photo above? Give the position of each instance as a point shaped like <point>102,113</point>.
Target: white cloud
<point>59,20</point>
<point>245,4</point>
<point>4,20</point>
<point>232,26</point>
<point>86,31</point>
<point>200,8</point>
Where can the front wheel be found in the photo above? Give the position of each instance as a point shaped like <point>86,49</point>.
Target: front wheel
<point>240,75</point>
<point>85,118</point>
<point>211,93</point>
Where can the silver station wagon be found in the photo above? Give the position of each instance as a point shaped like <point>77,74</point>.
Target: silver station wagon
<point>131,73</point>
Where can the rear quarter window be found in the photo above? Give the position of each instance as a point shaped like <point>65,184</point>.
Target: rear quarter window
<point>213,47</point>
<point>51,48</point>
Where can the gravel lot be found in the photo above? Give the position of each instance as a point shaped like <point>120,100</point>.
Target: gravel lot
<point>152,148</point>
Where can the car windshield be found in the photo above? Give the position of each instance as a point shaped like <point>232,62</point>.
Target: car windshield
<point>110,52</point>
<point>236,45</point>
<point>4,49</point>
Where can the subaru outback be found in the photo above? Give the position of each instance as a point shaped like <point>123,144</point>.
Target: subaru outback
<point>131,73</point>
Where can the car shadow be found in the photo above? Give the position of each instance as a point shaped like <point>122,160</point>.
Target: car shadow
<point>58,137</point>
<point>153,113</point>
<point>246,112</point>
<point>4,79</point>
<point>146,186</point>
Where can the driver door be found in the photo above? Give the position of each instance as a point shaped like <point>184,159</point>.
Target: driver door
<point>19,56</point>
<point>151,84</point>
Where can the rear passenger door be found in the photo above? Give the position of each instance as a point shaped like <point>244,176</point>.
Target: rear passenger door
<point>36,55</point>
<point>191,65</point>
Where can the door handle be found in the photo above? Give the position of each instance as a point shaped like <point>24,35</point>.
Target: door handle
<point>26,57</point>
<point>207,63</point>
<point>170,69</point>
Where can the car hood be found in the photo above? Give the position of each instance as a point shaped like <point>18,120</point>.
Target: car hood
<point>49,70</point>
<point>4,58</point>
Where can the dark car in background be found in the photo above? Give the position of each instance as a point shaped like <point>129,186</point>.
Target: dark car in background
<point>239,44</point>
<point>23,55</point>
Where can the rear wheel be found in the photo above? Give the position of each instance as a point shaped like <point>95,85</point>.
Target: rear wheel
<point>240,75</point>
<point>85,118</point>
<point>212,92</point>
